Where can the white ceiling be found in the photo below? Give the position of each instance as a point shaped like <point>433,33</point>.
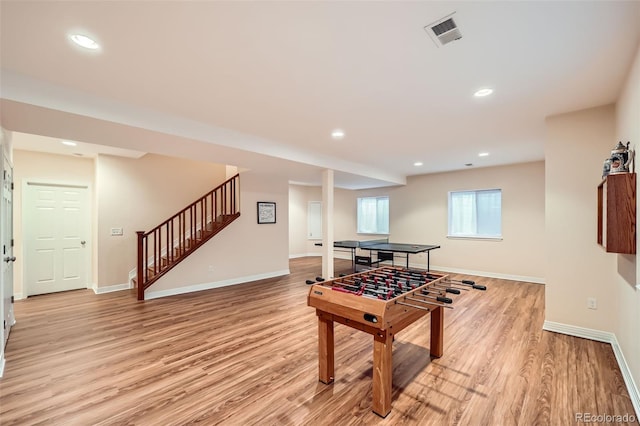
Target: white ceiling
<point>262,84</point>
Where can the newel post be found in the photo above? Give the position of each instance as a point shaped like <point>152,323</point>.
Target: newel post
<point>140,263</point>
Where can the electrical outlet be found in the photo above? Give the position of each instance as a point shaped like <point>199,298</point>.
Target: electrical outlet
<point>592,303</point>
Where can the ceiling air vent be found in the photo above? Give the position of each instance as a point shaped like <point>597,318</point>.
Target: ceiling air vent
<point>443,31</point>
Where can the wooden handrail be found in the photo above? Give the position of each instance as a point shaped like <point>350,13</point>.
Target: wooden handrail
<point>166,245</point>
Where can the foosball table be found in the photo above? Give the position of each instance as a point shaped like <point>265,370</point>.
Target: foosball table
<point>381,302</point>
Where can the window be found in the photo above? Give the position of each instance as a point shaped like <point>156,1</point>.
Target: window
<point>475,213</point>
<point>373,215</point>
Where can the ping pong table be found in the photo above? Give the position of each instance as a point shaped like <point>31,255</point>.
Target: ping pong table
<point>381,246</point>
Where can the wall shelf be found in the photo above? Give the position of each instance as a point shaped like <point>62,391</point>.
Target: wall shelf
<point>617,213</point>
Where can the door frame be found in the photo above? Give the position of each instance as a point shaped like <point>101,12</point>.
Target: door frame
<point>26,182</point>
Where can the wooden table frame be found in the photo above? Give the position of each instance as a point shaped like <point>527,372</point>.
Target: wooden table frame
<point>382,350</point>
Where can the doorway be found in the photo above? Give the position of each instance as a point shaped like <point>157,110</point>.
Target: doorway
<point>6,230</point>
<point>56,222</point>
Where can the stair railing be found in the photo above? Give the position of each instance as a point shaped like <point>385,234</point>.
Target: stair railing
<point>166,245</point>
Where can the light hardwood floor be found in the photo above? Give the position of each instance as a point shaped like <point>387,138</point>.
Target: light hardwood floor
<point>247,354</point>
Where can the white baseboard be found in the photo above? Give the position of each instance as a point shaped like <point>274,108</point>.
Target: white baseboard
<point>1,364</point>
<point>111,288</point>
<point>296,256</point>
<point>148,295</point>
<point>18,296</point>
<point>345,256</point>
<point>606,337</point>
<point>523,278</point>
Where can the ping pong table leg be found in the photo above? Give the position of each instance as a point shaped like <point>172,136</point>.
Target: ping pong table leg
<point>353,260</point>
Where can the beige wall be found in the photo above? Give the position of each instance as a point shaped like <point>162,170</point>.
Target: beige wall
<point>41,167</point>
<point>244,251</point>
<point>137,195</point>
<point>344,219</point>
<point>299,197</point>
<point>577,267</point>
<point>418,214</point>
<point>627,297</point>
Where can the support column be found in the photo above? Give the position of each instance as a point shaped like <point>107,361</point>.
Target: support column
<point>327,224</point>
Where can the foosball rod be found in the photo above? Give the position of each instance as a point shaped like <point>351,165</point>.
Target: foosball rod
<point>446,287</point>
<point>438,298</point>
<point>384,292</point>
<point>469,283</point>
<point>402,280</point>
<point>405,276</point>
<point>381,290</point>
<point>392,286</point>
<point>427,302</point>
<point>392,283</point>
<point>413,306</point>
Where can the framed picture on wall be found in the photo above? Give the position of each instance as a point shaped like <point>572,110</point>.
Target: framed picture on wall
<point>266,212</point>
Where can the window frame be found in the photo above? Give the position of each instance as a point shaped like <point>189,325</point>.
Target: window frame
<point>377,231</point>
<point>476,236</point>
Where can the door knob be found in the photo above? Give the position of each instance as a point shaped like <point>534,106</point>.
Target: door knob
<point>83,242</point>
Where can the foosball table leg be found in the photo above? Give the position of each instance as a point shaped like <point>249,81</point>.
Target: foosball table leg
<point>325,349</point>
<point>382,372</point>
<point>437,332</point>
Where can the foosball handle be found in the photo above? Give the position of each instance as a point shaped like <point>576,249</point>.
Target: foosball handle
<point>319,279</point>
<point>480,287</point>
<point>452,290</point>
<point>468,282</point>
<point>309,282</point>
<point>444,299</point>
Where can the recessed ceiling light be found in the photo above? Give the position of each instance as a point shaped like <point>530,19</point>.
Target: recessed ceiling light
<point>69,143</point>
<point>84,41</point>
<point>337,134</point>
<point>483,154</point>
<point>483,92</point>
<point>418,163</point>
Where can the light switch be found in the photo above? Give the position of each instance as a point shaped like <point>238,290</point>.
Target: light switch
<point>117,232</point>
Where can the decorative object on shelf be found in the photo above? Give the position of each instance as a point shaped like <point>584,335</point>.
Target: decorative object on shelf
<point>606,168</point>
<point>266,212</point>
<point>617,213</point>
<point>621,158</point>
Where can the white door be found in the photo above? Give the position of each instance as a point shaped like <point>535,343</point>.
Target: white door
<point>56,228</point>
<point>6,213</point>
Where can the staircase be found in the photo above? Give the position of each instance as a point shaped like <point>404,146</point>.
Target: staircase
<point>169,243</point>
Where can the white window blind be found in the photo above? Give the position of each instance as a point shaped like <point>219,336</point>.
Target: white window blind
<point>475,214</point>
<point>373,215</point>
